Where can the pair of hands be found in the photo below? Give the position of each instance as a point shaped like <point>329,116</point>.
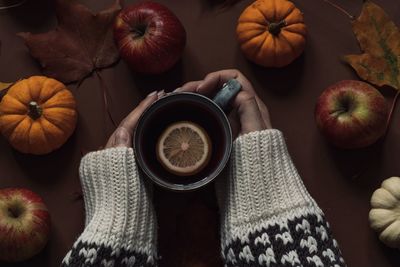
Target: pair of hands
<point>248,113</point>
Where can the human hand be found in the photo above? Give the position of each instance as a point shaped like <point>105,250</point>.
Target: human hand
<point>123,135</point>
<point>249,112</point>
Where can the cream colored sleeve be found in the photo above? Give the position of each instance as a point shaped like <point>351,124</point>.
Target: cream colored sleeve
<point>120,226</point>
<point>268,218</point>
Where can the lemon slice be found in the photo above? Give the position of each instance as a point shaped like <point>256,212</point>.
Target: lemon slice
<point>184,148</point>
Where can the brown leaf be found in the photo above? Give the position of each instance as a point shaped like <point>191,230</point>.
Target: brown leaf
<point>379,40</point>
<point>82,42</point>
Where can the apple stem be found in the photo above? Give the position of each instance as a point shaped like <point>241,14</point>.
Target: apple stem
<point>341,9</point>
<point>14,212</point>
<point>140,31</point>
<point>394,102</point>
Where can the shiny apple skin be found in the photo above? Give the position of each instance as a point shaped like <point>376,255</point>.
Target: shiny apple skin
<point>23,237</point>
<point>351,114</point>
<point>162,42</point>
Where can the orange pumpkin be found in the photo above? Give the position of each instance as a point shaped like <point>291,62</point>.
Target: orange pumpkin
<point>37,115</point>
<point>272,33</point>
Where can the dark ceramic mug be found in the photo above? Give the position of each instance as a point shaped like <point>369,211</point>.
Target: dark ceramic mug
<point>185,106</point>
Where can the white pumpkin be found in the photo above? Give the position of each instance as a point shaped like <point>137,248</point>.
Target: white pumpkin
<point>384,216</point>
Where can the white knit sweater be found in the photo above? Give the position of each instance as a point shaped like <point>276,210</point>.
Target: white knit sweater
<point>120,226</point>
<point>267,216</point>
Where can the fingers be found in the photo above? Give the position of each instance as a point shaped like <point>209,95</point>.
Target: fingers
<point>189,87</point>
<point>253,113</point>
<point>132,119</point>
<point>215,80</point>
<point>123,134</point>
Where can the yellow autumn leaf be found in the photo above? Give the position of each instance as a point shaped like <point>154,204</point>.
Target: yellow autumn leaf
<point>379,40</point>
<point>4,86</point>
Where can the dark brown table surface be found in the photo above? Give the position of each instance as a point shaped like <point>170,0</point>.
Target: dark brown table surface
<point>341,181</point>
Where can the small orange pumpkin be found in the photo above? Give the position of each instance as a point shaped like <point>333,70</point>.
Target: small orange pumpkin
<point>37,115</point>
<point>272,33</point>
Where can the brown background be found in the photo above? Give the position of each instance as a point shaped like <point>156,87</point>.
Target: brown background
<point>340,181</point>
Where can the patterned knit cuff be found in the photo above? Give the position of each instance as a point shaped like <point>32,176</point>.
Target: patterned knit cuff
<point>263,181</point>
<point>268,217</point>
<point>120,219</point>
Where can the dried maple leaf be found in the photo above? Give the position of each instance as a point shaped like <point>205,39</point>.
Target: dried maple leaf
<point>379,39</point>
<point>82,42</point>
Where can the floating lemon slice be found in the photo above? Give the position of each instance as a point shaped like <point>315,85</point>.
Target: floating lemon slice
<point>184,148</point>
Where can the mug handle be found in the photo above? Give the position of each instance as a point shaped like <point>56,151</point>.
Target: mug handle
<point>229,90</point>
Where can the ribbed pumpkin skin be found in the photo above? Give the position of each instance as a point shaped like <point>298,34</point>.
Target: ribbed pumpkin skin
<point>263,47</point>
<point>47,132</point>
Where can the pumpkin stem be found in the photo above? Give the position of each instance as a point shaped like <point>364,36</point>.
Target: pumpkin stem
<point>35,111</point>
<point>275,27</point>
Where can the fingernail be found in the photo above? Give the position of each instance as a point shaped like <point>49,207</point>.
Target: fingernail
<point>177,89</point>
<point>152,93</point>
<point>160,93</point>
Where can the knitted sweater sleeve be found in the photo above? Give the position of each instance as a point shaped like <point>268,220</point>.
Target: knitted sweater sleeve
<point>268,217</point>
<point>120,228</point>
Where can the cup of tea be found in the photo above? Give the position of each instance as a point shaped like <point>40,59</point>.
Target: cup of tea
<point>183,141</point>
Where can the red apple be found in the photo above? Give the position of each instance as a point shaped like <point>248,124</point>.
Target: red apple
<point>24,224</point>
<point>351,114</point>
<point>150,37</point>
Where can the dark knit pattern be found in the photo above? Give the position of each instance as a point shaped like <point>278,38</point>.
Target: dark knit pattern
<point>306,241</point>
<point>90,255</point>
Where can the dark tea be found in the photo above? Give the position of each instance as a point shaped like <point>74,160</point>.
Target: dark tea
<point>209,124</point>
<point>187,109</point>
